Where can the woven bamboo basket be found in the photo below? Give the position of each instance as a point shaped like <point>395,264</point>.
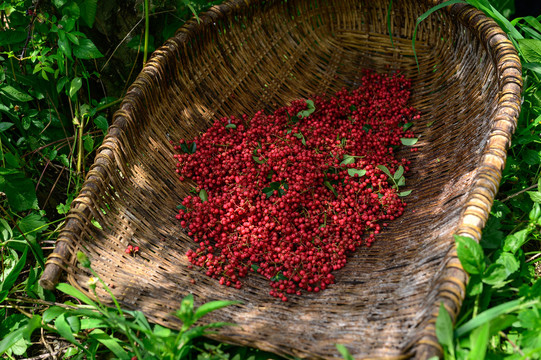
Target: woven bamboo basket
<point>244,56</point>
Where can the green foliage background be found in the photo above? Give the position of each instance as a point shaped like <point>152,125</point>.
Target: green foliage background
<point>63,70</point>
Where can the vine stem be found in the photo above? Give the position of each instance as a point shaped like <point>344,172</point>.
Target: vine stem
<point>147,11</point>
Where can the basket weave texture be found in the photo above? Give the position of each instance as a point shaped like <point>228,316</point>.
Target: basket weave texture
<point>244,56</point>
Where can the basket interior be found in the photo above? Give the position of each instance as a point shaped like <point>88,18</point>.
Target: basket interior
<point>241,59</point>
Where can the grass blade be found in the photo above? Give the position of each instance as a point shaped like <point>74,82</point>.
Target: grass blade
<point>423,17</point>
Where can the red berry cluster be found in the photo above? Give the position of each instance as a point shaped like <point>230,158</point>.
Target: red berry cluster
<point>289,195</point>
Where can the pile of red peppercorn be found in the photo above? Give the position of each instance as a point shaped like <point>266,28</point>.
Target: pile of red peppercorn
<point>289,195</point>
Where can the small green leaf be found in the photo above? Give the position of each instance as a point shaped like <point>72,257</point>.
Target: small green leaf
<point>405,193</point>
<point>444,328</point>
<point>231,126</point>
<point>71,291</point>
<point>212,306</point>
<point>203,195</point>
<point>300,136</point>
<point>88,143</point>
<point>15,94</point>
<point>310,108</point>
<point>470,254</point>
<point>407,126</point>
<point>353,172</point>
<point>5,125</point>
<point>513,242</point>
<point>344,352</point>
<point>257,159</point>
<point>399,172</point>
<point>52,313</point>
<point>254,267</point>
<point>348,159</point>
<point>409,141</point>
<point>186,313</point>
<point>385,170</point>
<point>86,50</point>
<point>75,85</point>
<point>101,123</point>
<point>330,187</point>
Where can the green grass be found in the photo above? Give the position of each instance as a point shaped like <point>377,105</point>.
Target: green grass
<point>54,116</point>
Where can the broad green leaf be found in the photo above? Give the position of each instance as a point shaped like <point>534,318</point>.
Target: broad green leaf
<point>11,339</point>
<point>404,193</point>
<point>89,323</point>
<point>509,262</point>
<point>479,342</point>
<point>74,322</point>
<point>494,275</point>
<point>530,49</point>
<point>52,313</point>
<point>110,343</point>
<point>535,196</point>
<point>71,12</point>
<point>353,172</point>
<point>64,329</point>
<point>5,125</point>
<point>444,328</point>
<point>161,331</point>
<point>101,123</point>
<point>33,324</point>
<point>88,11</point>
<point>86,50</point>
<point>15,94</point>
<point>71,291</point>
<point>344,352</point>
<point>88,143</point>
<point>75,85</point>
<point>470,254</point>
<point>61,83</point>
<point>203,195</point>
<point>211,306</point>
<point>409,141</point>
